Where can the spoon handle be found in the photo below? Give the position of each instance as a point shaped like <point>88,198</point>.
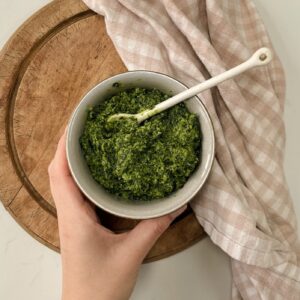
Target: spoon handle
<point>260,58</point>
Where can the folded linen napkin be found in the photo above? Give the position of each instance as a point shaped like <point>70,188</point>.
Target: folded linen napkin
<point>245,207</point>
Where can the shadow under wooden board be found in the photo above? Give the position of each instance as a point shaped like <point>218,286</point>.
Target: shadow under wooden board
<point>45,68</point>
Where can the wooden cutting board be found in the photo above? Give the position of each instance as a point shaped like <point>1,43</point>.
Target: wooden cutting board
<point>45,68</point>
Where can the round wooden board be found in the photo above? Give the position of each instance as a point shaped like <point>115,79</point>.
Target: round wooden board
<point>45,68</point>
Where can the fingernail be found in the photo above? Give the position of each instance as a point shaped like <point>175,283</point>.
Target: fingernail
<point>178,212</point>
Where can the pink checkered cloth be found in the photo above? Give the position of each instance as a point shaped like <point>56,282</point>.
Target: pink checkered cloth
<point>245,207</point>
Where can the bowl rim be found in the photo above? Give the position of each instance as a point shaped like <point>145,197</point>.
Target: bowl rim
<point>153,215</point>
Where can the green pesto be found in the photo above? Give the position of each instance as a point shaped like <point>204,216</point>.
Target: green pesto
<point>146,161</point>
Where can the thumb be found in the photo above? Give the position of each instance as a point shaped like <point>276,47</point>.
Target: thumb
<point>147,232</point>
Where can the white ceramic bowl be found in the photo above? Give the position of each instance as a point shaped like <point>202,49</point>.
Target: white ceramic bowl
<point>94,191</point>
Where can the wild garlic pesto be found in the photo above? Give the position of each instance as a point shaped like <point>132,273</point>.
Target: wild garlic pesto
<point>141,161</point>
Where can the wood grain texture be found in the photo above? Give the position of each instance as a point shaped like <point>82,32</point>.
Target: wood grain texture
<point>45,68</point>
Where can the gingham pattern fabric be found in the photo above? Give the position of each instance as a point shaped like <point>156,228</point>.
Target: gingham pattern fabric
<point>245,206</point>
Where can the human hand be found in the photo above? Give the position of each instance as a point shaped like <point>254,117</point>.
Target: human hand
<point>97,263</point>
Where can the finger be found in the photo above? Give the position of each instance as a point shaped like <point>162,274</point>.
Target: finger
<point>60,158</point>
<point>145,234</point>
<point>61,182</point>
<point>70,203</point>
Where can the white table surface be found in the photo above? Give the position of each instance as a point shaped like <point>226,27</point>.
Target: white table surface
<point>29,270</point>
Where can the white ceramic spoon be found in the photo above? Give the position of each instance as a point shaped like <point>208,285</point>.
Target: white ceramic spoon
<point>260,58</point>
